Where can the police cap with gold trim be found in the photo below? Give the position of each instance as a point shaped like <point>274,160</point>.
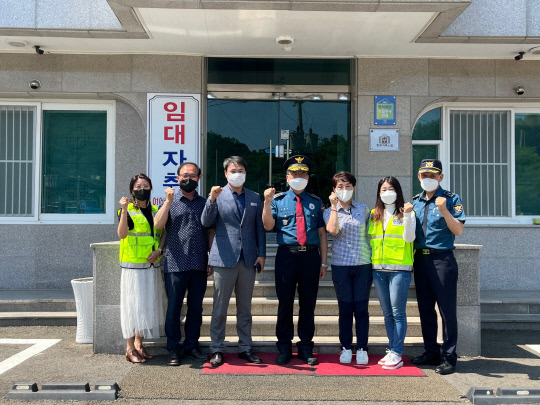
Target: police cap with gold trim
<point>298,162</point>
<point>430,166</point>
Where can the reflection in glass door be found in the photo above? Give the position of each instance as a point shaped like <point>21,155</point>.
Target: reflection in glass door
<point>318,129</point>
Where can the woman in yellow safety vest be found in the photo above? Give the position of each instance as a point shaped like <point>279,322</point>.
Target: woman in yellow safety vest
<point>141,285</point>
<point>392,228</point>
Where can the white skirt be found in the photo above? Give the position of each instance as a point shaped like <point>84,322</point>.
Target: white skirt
<point>142,302</point>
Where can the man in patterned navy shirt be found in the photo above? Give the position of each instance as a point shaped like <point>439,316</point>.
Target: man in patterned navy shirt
<point>186,262</point>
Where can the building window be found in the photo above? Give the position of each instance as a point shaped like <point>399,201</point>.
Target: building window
<point>480,169</point>
<point>57,162</point>
<point>527,151</point>
<point>491,158</point>
<point>427,138</point>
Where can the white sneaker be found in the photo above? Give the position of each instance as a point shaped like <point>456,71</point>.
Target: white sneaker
<point>361,357</point>
<point>346,356</point>
<point>385,358</point>
<point>392,362</point>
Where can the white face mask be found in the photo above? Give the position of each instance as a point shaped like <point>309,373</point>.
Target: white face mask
<point>236,179</point>
<point>389,197</point>
<point>429,184</point>
<point>298,183</point>
<point>344,195</point>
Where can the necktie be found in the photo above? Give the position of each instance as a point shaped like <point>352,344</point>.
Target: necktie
<point>424,220</point>
<point>301,236</point>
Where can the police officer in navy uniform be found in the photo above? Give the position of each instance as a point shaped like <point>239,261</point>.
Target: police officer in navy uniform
<point>439,219</point>
<point>297,217</point>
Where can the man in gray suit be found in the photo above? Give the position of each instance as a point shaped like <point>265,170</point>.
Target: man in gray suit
<point>237,253</point>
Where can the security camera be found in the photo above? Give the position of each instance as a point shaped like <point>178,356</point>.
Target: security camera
<point>519,56</point>
<point>520,90</point>
<point>35,84</point>
<point>38,49</point>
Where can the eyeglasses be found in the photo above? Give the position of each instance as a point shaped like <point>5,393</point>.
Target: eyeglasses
<point>188,176</point>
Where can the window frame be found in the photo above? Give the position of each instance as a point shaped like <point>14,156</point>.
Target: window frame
<point>109,106</point>
<point>444,151</point>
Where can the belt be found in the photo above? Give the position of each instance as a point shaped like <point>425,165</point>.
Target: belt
<point>296,248</point>
<point>432,251</point>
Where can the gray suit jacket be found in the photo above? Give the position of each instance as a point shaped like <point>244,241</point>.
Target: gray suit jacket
<point>234,233</point>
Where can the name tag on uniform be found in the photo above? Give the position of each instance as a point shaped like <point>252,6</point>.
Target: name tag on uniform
<point>253,204</point>
<point>397,222</point>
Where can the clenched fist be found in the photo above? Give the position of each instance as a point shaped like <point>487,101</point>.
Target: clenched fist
<point>440,202</point>
<point>407,207</point>
<point>169,194</point>
<point>333,199</point>
<point>215,192</point>
<point>269,194</point>
<point>124,203</point>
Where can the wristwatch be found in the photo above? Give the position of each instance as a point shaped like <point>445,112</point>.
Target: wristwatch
<point>324,265</point>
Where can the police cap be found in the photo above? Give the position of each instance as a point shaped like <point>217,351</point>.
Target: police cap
<point>298,162</point>
<point>430,166</point>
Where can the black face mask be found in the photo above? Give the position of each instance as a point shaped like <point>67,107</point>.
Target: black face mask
<point>188,185</point>
<point>142,195</point>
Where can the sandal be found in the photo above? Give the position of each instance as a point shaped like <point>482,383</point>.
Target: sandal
<point>134,357</point>
<point>144,354</point>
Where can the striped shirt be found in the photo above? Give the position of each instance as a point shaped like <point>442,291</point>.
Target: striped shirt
<point>351,245</point>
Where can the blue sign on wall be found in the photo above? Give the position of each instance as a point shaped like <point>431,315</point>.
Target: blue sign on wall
<point>385,110</point>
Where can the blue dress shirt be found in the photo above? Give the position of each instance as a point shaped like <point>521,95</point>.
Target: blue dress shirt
<point>438,235</point>
<point>284,213</point>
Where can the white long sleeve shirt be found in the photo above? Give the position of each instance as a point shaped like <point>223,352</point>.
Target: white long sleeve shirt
<point>409,222</point>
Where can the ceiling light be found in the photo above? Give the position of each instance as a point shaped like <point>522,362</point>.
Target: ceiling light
<point>287,48</point>
<point>343,96</point>
<point>316,97</point>
<point>210,96</point>
<point>285,40</point>
<point>535,50</point>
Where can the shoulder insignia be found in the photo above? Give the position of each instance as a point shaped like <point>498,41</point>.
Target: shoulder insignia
<point>279,195</point>
<point>315,196</point>
<point>448,193</point>
<point>458,208</point>
<point>416,197</point>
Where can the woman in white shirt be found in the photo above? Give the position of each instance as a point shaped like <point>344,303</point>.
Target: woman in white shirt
<point>392,228</point>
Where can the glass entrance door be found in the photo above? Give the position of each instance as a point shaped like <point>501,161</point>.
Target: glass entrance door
<point>317,129</point>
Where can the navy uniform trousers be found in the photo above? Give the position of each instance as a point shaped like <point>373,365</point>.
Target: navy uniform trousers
<point>294,269</point>
<point>435,278</point>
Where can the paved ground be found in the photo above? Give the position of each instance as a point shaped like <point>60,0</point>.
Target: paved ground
<point>506,362</point>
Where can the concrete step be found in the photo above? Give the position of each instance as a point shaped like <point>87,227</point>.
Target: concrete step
<point>510,321</point>
<point>268,289</point>
<point>325,306</point>
<point>267,344</point>
<point>324,326</point>
<point>37,300</point>
<point>41,318</point>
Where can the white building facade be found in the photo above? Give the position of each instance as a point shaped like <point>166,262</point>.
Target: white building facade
<point>74,119</point>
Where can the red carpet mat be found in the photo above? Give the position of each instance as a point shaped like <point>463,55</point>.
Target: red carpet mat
<point>328,366</point>
<point>233,365</point>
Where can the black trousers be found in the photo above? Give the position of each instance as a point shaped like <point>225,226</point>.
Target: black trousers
<point>435,278</point>
<point>296,269</point>
<point>176,285</point>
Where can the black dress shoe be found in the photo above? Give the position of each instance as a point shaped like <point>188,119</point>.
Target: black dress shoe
<point>308,358</point>
<point>445,368</point>
<point>174,358</point>
<point>250,357</point>
<point>196,354</point>
<point>284,357</point>
<point>217,359</point>
<point>426,360</point>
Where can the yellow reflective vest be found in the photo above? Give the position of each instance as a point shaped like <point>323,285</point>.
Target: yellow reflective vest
<point>139,242</point>
<point>389,251</point>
